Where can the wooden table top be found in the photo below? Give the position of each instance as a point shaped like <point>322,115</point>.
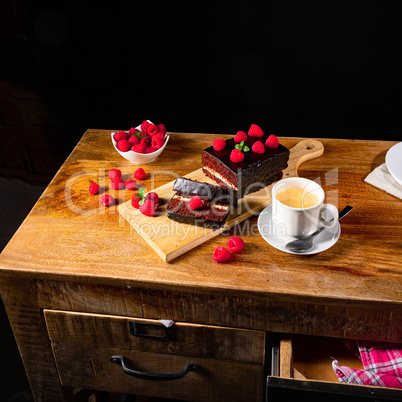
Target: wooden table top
<point>69,236</point>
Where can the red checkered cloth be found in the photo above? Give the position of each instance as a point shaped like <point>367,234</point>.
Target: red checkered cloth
<point>382,363</point>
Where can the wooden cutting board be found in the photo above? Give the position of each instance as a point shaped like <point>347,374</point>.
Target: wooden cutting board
<point>171,239</point>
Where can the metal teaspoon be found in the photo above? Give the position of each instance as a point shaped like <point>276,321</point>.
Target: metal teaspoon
<point>304,244</point>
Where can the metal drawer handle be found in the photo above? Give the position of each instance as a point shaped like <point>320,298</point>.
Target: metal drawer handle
<point>139,329</point>
<point>153,376</point>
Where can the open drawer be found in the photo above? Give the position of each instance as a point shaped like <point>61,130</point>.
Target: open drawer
<point>302,364</point>
<point>143,357</point>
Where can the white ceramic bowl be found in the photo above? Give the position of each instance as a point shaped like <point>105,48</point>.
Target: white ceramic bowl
<point>136,157</point>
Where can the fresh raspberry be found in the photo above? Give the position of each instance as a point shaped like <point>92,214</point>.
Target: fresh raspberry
<point>130,184</point>
<point>222,254</point>
<point>195,202</point>
<point>152,129</point>
<point>145,141</point>
<point>152,196</point>
<point>135,200</point>
<point>158,135</point>
<point>240,136</point>
<point>157,142</point>
<point>258,147</point>
<point>144,125</point>
<point>106,200</point>
<point>219,144</point>
<point>134,140</point>
<point>123,145</point>
<point>113,173</point>
<point>149,150</point>
<point>133,131</point>
<point>255,131</point>
<point>235,244</point>
<point>139,148</point>
<point>162,129</point>
<point>121,135</point>
<point>94,188</point>
<point>236,156</point>
<point>140,174</point>
<point>148,208</point>
<point>117,184</point>
<point>272,142</point>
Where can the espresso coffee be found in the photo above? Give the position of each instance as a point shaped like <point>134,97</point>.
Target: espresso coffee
<point>297,197</point>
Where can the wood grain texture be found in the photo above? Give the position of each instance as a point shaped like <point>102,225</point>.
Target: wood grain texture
<point>68,235</point>
<point>286,357</point>
<point>21,302</point>
<point>193,340</point>
<point>171,239</point>
<point>73,254</point>
<point>240,312</point>
<point>83,344</point>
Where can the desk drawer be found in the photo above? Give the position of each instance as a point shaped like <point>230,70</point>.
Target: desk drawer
<point>303,364</point>
<point>230,361</point>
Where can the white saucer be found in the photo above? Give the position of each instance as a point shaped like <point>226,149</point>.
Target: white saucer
<point>266,225</point>
<point>393,160</point>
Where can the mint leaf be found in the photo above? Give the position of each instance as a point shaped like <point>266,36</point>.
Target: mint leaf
<point>242,147</point>
<point>142,200</point>
<point>139,134</point>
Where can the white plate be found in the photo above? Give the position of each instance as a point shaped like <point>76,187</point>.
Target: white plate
<point>323,241</point>
<point>393,160</point>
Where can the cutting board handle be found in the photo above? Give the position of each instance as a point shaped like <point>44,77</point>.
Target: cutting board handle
<point>302,152</point>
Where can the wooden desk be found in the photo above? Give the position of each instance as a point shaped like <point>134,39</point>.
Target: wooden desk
<point>72,258</point>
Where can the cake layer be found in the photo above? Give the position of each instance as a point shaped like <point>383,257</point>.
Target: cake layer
<point>209,215</point>
<point>205,190</point>
<point>253,173</point>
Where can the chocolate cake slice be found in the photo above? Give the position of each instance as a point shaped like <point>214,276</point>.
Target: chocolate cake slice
<point>215,203</point>
<point>253,173</point>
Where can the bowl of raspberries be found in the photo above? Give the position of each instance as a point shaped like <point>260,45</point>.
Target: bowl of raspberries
<point>141,144</point>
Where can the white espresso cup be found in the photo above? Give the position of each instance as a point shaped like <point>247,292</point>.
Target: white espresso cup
<point>298,207</point>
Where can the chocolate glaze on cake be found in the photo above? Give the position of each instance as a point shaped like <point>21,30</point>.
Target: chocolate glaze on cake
<point>205,190</point>
<point>213,212</point>
<point>253,173</point>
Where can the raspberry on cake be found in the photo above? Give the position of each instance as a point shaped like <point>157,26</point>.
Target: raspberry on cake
<point>240,171</point>
<point>212,203</point>
<point>195,202</point>
<point>219,144</point>
<point>258,147</point>
<point>255,131</point>
<point>236,156</point>
<point>240,136</point>
<point>272,142</point>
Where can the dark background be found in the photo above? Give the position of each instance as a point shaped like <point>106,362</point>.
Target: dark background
<point>320,69</point>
